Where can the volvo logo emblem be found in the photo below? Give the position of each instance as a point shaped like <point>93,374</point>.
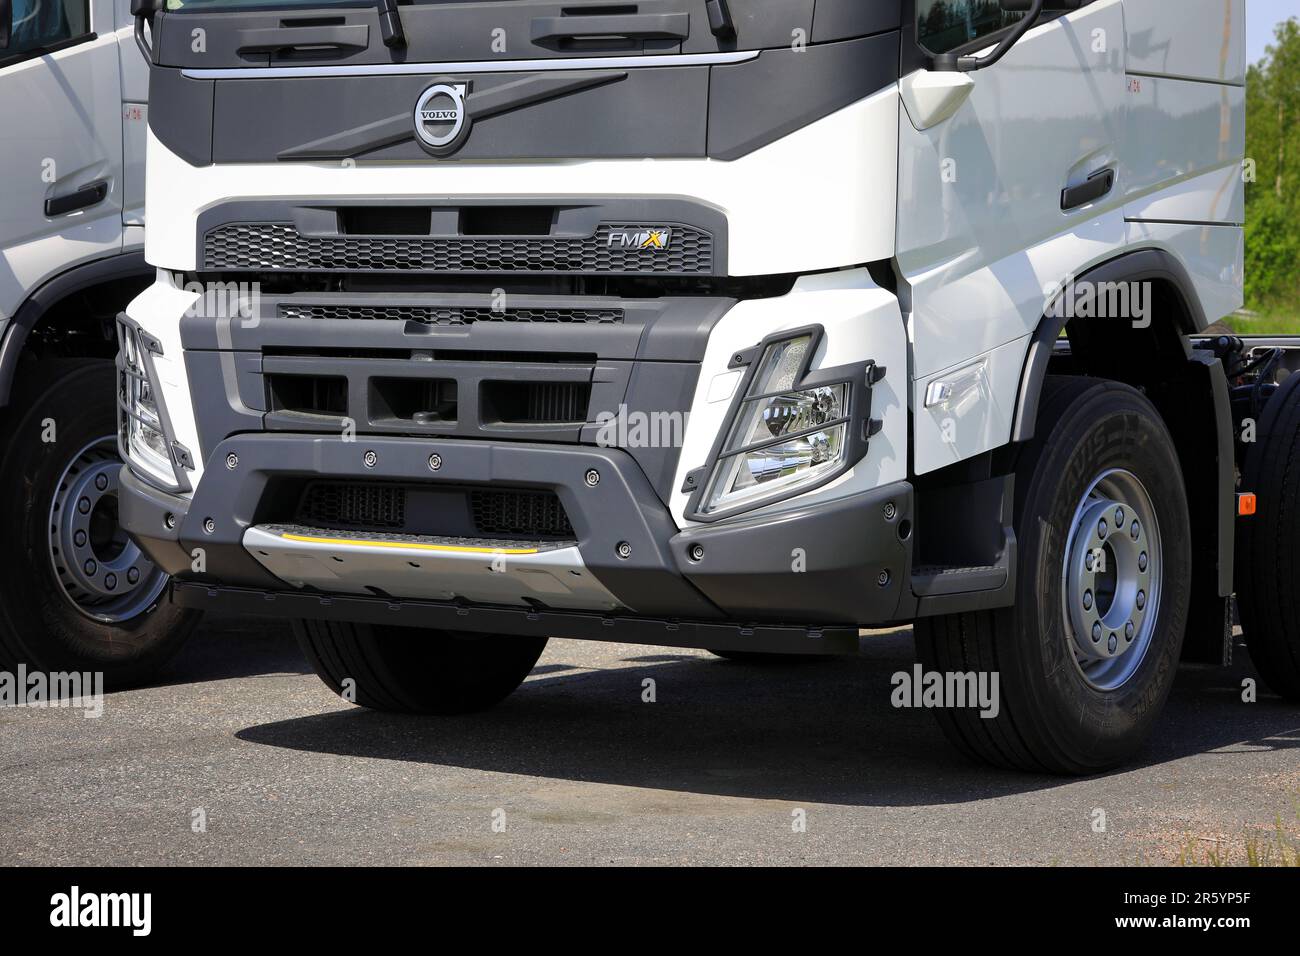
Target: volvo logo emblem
<point>441,119</point>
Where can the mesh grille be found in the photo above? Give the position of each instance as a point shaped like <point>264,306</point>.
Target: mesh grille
<point>259,246</point>
<point>528,513</point>
<point>347,505</point>
<point>446,315</point>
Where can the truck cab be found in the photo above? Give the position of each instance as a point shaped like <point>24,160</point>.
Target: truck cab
<point>736,325</point>
<point>77,594</point>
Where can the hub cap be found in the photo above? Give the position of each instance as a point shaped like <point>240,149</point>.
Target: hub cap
<point>1112,579</point>
<point>103,574</point>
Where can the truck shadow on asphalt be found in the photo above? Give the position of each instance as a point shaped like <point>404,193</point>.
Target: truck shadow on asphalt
<point>820,731</point>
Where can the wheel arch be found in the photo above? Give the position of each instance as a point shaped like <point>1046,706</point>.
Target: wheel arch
<point>50,304</point>
<point>1190,390</point>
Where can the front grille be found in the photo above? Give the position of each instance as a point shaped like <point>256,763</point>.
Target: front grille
<point>269,246</point>
<point>445,315</point>
<point>529,513</point>
<point>421,509</point>
<point>353,505</point>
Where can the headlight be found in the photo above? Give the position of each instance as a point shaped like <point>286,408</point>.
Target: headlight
<point>142,433</point>
<point>782,438</point>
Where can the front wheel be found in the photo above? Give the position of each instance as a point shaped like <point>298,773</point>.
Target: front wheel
<point>77,594</point>
<point>408,670</point>
<point>1086,657</point>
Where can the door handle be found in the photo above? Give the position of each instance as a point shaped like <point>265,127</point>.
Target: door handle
<point>83,198</point>
<point>636,26</point>
<point>1096,186</point>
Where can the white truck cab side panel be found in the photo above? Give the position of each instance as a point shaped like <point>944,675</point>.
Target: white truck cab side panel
<point>60,116</point>
<point>1193,39</point>
<point>981,232</point>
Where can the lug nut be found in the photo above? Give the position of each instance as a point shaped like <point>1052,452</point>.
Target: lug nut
<point>891,511</point>
<point>697,552</point>
<point>1090,561</point>
<point>624,550</point>
<point>1135,531</point>
<point>370,459</point>
<point>209,526</point>
<point>79,539</point>
<point>91,567</point>
<point>1113,645</point>
<point>101,482</point>
<point>110,581</point>
<point>1119,517</point>
<point>1129,631</point>
<point>84,506</point>
<point>592,478</point>
<point>232,461</point>
<point>133,576</point>
<point>1142,600</point>
<point>435,462</point>
<point>1143,561</point>
<point>1103,529</point>
<point>1096,633</point>
<point>1087,600</point>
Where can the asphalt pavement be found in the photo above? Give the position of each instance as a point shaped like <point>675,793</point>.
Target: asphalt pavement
<point>241,756</point>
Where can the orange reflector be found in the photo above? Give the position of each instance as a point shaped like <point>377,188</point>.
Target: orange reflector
<point>1247,505</point>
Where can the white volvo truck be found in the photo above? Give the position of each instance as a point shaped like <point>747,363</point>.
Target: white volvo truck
<point>75,593</point>
<point>727,324</point>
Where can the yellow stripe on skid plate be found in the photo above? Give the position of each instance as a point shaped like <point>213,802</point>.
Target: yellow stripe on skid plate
<point>405,546</point>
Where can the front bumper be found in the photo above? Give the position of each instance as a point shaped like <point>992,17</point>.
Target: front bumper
<point>819,569</point>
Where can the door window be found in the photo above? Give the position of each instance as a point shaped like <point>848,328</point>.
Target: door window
<point>46,23</point>
<point>947,25</point>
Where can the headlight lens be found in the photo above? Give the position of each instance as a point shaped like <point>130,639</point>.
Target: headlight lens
<point>782,439</point>
<point>143,438</point>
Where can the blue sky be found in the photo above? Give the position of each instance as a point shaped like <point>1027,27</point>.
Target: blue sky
<point>1261,17</point>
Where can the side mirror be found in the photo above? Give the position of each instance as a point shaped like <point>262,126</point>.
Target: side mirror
<point>6,22</point>
<point>1032,10</point>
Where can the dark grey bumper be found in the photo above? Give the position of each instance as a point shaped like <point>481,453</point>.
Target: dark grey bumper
<point>836,565</point>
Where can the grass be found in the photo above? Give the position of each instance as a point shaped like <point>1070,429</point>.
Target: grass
<point>1279,847</point>
<point>1270,320</point>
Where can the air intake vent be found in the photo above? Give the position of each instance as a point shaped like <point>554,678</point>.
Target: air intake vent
<point>529,514</point>
<point>353,505</point>
<point>446,315</point>
<point>613,250</point>
<point>535,403</point>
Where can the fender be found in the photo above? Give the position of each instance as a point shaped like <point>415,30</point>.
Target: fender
<point>1144,265</point>
<point>127,265</point>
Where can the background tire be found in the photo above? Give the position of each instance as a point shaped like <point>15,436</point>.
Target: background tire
<point>1268,546</point>
<point>415,671</point>
<point>52,619</point>
<point>1052,718</point>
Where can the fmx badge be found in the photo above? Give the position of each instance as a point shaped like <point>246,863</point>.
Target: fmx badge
<point>652,239</point>
<point>442,118</point>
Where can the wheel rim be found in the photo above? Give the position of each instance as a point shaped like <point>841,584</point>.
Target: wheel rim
<point>102,572</point>
<point>1112,580</point>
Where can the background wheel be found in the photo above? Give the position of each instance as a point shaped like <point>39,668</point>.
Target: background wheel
<point>409,670</point>
<point>78,594</point>
<point>1268,546</point>
<point>1089,652</point>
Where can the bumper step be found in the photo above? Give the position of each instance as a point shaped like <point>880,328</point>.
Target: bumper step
<point>480,570</point>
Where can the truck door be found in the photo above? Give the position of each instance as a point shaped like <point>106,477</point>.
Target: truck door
<point>60,142</point>
<point>985,222</point>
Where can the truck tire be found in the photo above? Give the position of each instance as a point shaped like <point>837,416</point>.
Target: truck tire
<point>413,671</point>
<point>77,594</point>
<point>1268,546</point>
<point>1082,675</point>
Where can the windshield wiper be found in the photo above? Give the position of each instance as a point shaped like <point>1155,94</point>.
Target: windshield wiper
<point>390,23</point>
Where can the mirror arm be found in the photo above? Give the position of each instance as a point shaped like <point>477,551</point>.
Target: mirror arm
<point>952,63</point>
